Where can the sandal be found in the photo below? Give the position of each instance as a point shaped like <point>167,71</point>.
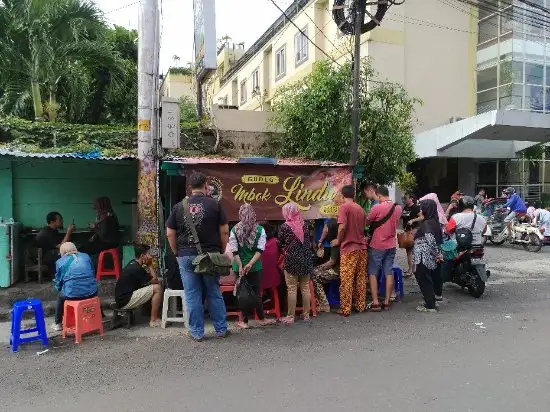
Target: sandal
<point>267,322</point>
<point>407,275</point>
<point>386,306</point>
<point>325,309</point>
<point>287,320</point>
<point>242,325</point>
<point>306,317</point>
<point>374,307</point>
<point>342,313</point>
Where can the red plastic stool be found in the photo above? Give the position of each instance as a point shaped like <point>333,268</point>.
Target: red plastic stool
<point>82,316</point>
<point>226,289</point>
<point>102,270</point>
<point>276,308</point>
<point>313,302</point>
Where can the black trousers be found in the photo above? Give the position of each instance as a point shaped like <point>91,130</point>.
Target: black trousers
<point>95,247</point>
<point>437,277</point>
<point>255,280</point>
<point>425,279</point>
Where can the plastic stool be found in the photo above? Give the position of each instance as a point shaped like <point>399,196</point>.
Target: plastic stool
<point>170,307</point>
<point>226,289</point>
<point>19,308</point>
<point>398,282</point>
<point>276,308</point>
<point>333,292</point>
<point>102,271</point>
<point>312,300</point>
<point>82,316</point>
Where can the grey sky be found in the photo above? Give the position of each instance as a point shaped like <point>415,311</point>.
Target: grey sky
<point>243,20</point>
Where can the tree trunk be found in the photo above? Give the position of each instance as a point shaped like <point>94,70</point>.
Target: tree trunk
<point>36,100</point>
<point>52,107</point>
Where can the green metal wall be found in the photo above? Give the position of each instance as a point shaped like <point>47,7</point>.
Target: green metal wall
<point>69,187</point>
<point>6,193</point>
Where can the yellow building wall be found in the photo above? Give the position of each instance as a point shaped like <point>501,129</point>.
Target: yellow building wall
<point>424,45</point>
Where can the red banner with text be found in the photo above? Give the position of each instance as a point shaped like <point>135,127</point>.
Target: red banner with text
<point>268,188</point>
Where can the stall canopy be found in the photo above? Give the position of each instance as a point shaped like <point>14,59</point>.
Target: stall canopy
<point>268,184</point>
<point>498,134</point>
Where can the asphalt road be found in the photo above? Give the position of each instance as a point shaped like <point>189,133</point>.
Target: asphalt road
<point>489,354</point>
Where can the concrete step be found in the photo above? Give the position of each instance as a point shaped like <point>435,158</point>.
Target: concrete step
<point>45,291</point>
<point>49,308</point>
<point>48,295</point>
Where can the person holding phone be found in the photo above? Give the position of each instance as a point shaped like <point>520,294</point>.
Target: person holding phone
<point>139,284</point>
<point>50,240</point>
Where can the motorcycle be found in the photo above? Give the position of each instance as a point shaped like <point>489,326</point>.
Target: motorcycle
<point>468,270</point>
<point>522,233</point>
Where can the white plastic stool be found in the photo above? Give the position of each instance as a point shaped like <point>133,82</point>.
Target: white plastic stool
<point>170,307</point>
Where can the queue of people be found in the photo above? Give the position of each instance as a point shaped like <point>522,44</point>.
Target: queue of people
<point>358,248</point>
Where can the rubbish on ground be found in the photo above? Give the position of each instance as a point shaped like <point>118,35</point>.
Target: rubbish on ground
<point>479,324</point>
<point>42,352</point>
<point>508,316</point>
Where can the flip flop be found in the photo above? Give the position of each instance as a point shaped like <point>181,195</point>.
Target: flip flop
<point>341,313</point>
<point>374,307</point>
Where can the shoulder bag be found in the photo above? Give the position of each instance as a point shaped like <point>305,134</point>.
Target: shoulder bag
<point>405,239</point>
<point>210,263</point>
<point>377,223</point>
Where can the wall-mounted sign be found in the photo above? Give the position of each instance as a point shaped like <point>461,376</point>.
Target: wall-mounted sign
<point>205,36</point>
<point>269,188</point>
<point>170,123</point>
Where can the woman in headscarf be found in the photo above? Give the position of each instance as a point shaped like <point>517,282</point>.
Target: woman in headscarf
<point>440,211</point>
<point>295,241</point>
<point>247,242</point>
<point>74,279</point>
<point>105,229</point>
<point>427,254</point>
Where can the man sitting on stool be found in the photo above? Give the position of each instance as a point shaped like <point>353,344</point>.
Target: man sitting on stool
<point>139,284</point>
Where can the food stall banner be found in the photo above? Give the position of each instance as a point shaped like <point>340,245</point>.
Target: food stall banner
<point>268,188</point>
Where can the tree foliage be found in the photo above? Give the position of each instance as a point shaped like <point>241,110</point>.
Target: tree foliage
<point>315,115</point>
<point>59,61</point>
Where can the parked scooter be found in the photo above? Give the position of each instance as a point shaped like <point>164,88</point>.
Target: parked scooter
<point>468,270</point>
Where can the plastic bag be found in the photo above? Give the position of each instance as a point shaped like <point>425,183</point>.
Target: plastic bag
<point>247,298</point>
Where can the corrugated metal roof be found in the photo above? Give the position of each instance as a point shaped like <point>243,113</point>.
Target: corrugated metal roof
<point>229,160</point>
<point>94,155</point>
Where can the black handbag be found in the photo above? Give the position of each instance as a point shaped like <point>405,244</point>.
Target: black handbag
<point>247,298</point>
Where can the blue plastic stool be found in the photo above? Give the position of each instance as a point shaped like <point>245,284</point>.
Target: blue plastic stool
<point>398,281</point>
<point>19,308</point>
<point>333,292</point>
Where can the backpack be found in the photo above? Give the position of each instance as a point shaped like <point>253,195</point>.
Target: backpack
<point>464,236</point>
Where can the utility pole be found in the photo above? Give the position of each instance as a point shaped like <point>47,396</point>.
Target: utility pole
<point>356,114</point>
<point>148,57</point>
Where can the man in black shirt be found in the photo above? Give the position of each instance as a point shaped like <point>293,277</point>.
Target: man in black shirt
<point>210,221</point>
<point>50,240</point>
<point>138,285</point>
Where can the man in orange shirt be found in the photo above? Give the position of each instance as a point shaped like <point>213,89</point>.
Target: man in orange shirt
<point>353,253</point>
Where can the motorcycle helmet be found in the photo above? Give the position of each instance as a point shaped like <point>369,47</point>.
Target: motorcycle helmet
<point>509,191</point>
<point>466,202</point>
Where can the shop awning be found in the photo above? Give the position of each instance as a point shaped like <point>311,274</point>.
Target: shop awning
<point>498,134</point>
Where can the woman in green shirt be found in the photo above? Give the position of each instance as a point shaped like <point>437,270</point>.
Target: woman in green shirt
<point>247,242</point>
